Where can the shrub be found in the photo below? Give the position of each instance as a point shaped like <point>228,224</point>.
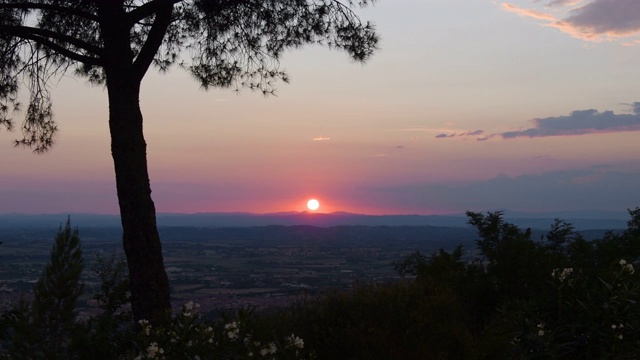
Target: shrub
<point>589,315</point>
<point>403,320</point>
<point>187,337</point>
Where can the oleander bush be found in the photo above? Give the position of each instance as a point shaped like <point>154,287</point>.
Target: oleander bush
<point>187,337</point>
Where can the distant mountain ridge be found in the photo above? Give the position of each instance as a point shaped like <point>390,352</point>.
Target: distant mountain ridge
<point>585,220</point>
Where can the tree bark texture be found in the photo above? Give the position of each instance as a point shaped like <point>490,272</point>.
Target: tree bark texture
<point>148,279</point>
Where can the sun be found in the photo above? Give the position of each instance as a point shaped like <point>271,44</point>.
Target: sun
<point>313,204</point>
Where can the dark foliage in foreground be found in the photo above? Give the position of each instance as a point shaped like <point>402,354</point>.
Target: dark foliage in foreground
<point>558,297</point>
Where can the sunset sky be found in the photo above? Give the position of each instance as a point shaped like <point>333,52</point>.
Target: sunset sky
<point>526,105</point>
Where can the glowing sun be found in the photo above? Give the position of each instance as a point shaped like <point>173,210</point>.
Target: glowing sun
<point>313,204</point>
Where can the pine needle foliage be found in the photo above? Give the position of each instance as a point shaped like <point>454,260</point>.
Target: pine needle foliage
<point>53,311</point>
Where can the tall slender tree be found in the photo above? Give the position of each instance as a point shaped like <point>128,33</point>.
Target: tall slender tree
<point>222,43</point>
<point>44,328</point>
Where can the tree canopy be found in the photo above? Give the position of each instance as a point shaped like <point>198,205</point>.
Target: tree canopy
<point>221,43</point>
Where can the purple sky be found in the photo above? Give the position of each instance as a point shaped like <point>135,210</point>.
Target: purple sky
<point>528,105</point>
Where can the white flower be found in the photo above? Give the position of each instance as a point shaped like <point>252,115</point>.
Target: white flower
<point>562,275</point>
<point>233,334</point>
<point>146,327</point>
<point>630,269</point>
<point>627,267</point>
<point>190,308</point>
<point>619,327</point>
<point>295,341</point>
<point>233,330</point>
<point>153,350</point>
<point>271,349</point>
<point>540,332</point>
<point>231,325</point>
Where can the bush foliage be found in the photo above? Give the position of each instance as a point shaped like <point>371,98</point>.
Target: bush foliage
<point>558,297</point>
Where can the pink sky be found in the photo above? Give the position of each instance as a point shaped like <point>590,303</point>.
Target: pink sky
<point>527,105</point>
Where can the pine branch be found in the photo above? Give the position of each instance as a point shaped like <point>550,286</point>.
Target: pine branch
<point>148,9</point>
<point>163,11</point>
<point>51,7</point>
<point>44,37</point>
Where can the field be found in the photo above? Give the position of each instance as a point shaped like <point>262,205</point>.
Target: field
<point>237,267</point>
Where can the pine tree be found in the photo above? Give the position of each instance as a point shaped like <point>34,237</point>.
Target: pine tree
<point>53,312</point>
<point>221,43</point>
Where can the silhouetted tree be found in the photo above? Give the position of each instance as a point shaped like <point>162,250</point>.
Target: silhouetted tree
<point>560,234</point>
<point>44,327</point>
<point>114,285</point>
<point>581,252</point>
<point>632,235</point>
<point>59,286</point>
<point>223,43</point>
<point>495,233</point>
<point>413,264</point>
<point>633,224</point>
<point>107,335</point>
<point>516,262</point>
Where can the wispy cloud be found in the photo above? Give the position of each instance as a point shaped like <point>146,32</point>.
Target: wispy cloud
<point>321,138</point>
<point>578,122</point>
<point>459,134</point>
<point>425,129</point>
<point>591,20</point>
<point>564,2</point>
<point>528,12</point>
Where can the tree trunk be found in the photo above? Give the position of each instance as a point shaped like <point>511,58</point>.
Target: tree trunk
<point>148,279</point>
